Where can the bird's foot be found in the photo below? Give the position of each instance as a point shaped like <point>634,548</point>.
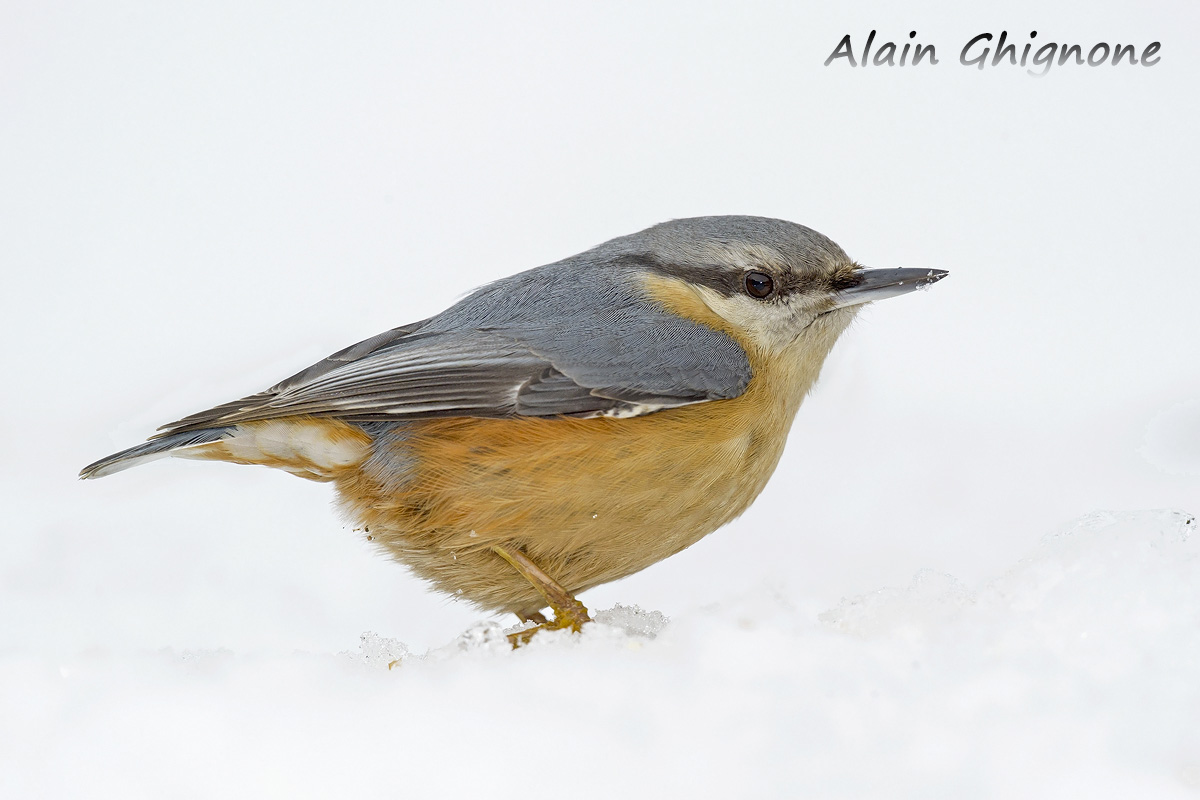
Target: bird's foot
<point>570,617</point>
<point>569,613</point>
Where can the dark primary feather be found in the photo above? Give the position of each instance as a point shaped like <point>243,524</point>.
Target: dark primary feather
<point>157,447</point>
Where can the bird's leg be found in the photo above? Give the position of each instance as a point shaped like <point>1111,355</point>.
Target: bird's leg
<point>568,612</point>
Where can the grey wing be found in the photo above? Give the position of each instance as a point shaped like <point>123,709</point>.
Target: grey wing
<point>415,373</point>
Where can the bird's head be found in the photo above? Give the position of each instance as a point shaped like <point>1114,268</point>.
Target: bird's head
<point>768,282</point>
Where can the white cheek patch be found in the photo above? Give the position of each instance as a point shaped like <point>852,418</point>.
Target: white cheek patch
<point>771,324</point>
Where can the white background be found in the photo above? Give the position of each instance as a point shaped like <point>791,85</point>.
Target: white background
<point>199,200</point>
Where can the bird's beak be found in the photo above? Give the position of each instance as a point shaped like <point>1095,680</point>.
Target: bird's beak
<point>880,284</point>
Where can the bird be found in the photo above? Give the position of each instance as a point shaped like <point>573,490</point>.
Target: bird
<point>569,425</point>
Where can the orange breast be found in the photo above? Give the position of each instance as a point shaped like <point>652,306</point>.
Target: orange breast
<point>588,500</point>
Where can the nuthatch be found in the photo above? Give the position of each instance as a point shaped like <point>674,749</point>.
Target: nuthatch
<point>571,424</point>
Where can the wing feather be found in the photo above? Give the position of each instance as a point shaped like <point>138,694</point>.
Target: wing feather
<point>484,358</point>
<point>475,374</point>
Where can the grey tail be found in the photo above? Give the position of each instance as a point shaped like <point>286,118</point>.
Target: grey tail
<point>152,450</point>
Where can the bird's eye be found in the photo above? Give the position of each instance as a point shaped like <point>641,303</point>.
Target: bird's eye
<point>759,284</point>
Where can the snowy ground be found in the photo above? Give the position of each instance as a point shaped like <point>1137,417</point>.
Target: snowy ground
<point>1072,673</point>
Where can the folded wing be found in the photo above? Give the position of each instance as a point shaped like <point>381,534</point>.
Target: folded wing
<point>417,372</point>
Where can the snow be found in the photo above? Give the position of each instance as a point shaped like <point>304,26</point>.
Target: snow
<point>1071,673</point>
<point>1172,440</point>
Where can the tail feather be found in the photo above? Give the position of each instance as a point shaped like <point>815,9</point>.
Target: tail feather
<point>152,450</point>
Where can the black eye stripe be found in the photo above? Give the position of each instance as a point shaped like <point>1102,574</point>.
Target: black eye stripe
<point>724,280</point>
<point>759,285</point>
